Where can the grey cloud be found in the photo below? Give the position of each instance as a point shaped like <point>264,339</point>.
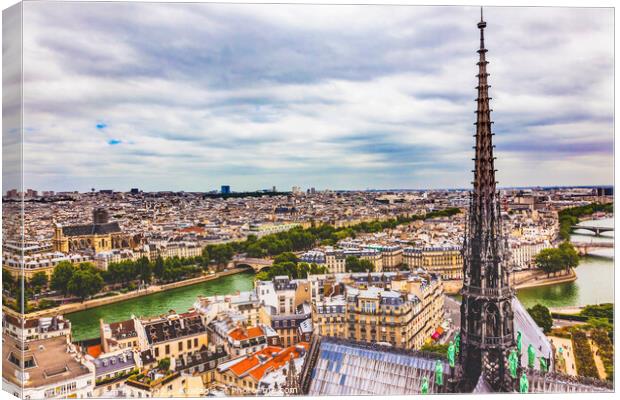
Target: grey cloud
<point>343,96</point>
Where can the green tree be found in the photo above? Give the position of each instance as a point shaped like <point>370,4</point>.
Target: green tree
<point>285,257</point>
<point>144,269</point>
<point>88,266</point>
<point>570,216</point>
<point>354,264</point>
<point>159,267</point>
<point>254,250</point>
<point>541,315</point>
<point>570,256</point>
<point>600,323</point>
<point>316,269</point>
<point>550,260</point>
<point>605,310</point>
<point>38,281</point>
<point>163,364</point>
<point>63,272</point>
<point>263,276</point>
<point>122,272</point>
<point>221,254</point>
<point>85,283</point>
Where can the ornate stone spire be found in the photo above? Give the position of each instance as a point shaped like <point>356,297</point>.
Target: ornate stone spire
<point>292,380</point>
<point>486,309</point>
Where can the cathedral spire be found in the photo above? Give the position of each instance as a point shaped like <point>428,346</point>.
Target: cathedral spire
<point>292,380</point>
<point>486,308</point>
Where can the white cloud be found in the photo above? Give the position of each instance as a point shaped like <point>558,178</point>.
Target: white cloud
<point>324,96</point>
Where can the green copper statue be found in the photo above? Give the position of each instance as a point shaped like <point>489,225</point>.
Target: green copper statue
<point>451,353</point>
<point>524,385</point>
<point>519,341</point>
<point>512,363</point>
<point>424,389</point>
<point>438,373</point>
<point>531,356</point>
<point>543,364</point>
<point>457,342</point>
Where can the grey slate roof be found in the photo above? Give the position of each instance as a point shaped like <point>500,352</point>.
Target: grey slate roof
<point>105,365</point>
<point>91,229</point>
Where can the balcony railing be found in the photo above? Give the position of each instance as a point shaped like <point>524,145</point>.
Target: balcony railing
<point>506,291</point>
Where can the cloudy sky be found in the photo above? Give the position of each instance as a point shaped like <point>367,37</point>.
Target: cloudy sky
<point>193,96</point>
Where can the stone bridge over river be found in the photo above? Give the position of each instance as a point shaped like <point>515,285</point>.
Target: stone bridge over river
<point>257,264</point>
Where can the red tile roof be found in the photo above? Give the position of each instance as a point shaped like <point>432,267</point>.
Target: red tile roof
<point>253,367</point>
<point>242,367</point>
<point>246,333</point>
<point>94,350</point>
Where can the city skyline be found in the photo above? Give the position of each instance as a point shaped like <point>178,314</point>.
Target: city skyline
<point>254,99</point>
<point>305,189</point>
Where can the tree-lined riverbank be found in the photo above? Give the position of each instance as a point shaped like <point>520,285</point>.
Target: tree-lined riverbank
<point>121,297</point>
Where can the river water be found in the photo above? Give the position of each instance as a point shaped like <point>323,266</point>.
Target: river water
<point>594,284</point>
<point>85,324</point>
<point>595,276</point>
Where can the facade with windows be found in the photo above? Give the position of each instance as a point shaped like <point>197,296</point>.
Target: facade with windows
<point>174,335</point>
<point>401,310</point>
<point>446,261</point>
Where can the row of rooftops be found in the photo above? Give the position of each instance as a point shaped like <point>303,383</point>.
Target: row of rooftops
<point>388,298</point>
<point>378,277</point>
<point>319,256</point>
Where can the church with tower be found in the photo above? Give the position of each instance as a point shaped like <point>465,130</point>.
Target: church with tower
<point>100,235</point>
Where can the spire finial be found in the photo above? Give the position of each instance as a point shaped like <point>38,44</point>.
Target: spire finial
<point>481,24</point>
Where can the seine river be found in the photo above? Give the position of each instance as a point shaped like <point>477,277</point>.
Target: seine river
<point>595,276</point>
<point>85,324</point>
<point>594,284</point>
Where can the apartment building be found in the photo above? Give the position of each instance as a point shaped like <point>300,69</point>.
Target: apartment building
<point>391,256</point>
<point>402,310</point>
<point>445,261</point>
<point>121,335</point>
<point>285,306</point>
<point>522,252</point>
<point>174,335</point>
<point>246,304</point>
